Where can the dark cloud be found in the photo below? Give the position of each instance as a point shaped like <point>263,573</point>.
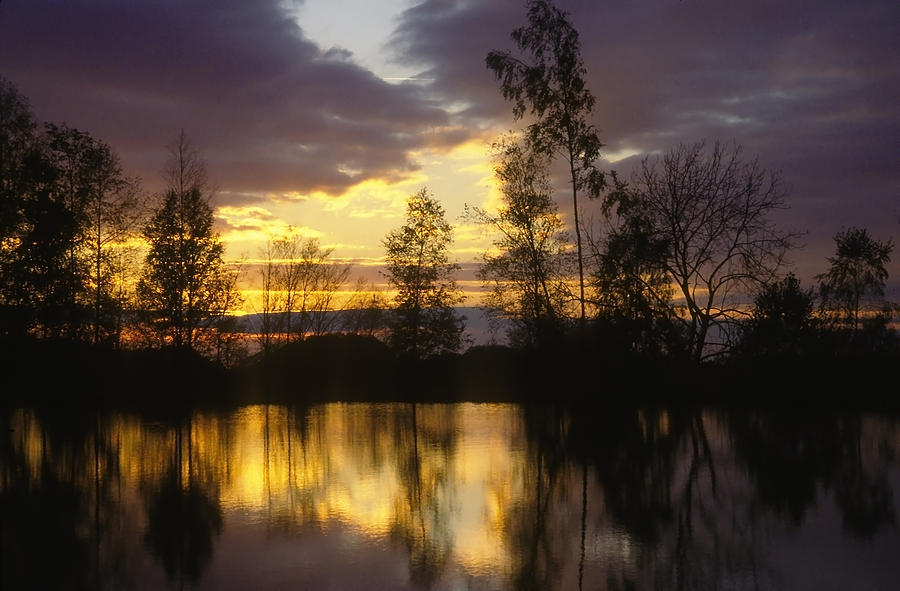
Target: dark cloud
<point>809,87</point>
<point>269,109</point>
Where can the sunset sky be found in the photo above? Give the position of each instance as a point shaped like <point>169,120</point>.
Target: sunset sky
<point>325,114</point>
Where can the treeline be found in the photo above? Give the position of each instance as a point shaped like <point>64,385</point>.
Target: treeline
<point>686,262</point>
<point>85,256</point>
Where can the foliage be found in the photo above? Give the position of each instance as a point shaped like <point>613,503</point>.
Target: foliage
<point>549,84</point>
<point>66,211</point>
<point>528,269</point>
<point>781,322</point>
<point>185,281</point>
<point>17,138</point>
<point>632,292</point>
<point>857,275</point>
<point>106,206</point>
<point>424,321</point>
<point>702,215</point>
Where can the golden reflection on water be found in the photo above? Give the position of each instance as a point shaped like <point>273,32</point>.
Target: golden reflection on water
<point>441,477</point>
<point>512,496</point>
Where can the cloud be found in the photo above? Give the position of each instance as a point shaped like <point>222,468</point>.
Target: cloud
<point>808,87</point>
<point>269,109</point>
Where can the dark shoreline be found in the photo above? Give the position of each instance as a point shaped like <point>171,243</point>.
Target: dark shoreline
<point>69,375</point>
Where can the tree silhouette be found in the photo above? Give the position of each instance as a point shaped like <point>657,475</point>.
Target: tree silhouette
<point>104,204</point>
<point>184,281</point>
<point>548,82</point>
<point>632,292</point>
<point>66,207</point>
<point>781,322</point>
<point>17,137</point>
<point>858,273</point>
<point>299,284</point>
<point>528,268</point>
<point>705,214</point>
<point>424,321</point>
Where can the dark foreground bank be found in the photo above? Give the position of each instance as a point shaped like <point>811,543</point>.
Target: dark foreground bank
<point>352,368</point>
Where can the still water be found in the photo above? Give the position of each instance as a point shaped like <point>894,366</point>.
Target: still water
<point>452,496</point>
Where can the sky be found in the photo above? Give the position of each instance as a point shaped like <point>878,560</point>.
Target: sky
<point>324,115</point>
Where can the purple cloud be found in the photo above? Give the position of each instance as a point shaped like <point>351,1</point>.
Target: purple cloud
<point>811,88</point>
<point>268,108</point>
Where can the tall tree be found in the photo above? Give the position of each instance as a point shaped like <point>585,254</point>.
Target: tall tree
<point>528,268</point>
<point>424,320</point>
<point>705,213</point>
<point>184,272</point>
<point>17,138</point>
<point>44,278</point>
<point>65,209</point>
<point>105,205</point>
<point>548,82</point>
<point>858,273</point>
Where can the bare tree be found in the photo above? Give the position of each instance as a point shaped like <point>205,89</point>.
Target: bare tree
<point>365,311</point>
<point>271,322</point>
<point>300,288</point>
<point>308,283</point>
<point>320,280</point>
<point>705,212</point>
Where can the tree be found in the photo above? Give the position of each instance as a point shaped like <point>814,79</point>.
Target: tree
<point>104,203</point>
<point>315,281</point>
<point>184,281</point>
<point>528,269</point>
<point>705,215</point>
<point>35,230</point>
<point>365,310</point>
<point>270,326</point>
<point>549,84</point>
<point>66,209</point>
<point>632,290</point>
<point>17,138</point>
<point>424,321</point>
<point>858,274</point>
<point>300,284</point>
<point>781,322</point>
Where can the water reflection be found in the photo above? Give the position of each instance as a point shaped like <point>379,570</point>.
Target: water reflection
<point>414,496</point>
<point>183,512</point>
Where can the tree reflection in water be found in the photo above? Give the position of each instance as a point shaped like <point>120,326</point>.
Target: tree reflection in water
<point>450,496</point>
<point>183,517</point>
<point>421,513</point>
<point>534,535</point>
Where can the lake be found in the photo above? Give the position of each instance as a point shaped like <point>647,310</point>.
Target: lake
<point>450,496</point>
